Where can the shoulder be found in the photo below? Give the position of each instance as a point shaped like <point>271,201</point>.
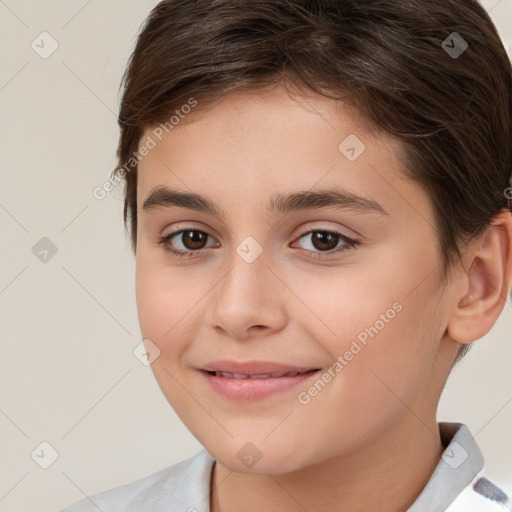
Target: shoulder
<point>481,495</point>
<point>184,486</point>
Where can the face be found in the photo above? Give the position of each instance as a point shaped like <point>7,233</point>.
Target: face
<point>302,314</point>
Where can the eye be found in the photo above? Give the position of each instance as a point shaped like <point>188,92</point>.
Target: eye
<point>192,240</point>
<point>327,241</point>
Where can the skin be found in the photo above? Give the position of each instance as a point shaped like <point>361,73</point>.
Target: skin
<point>374,424</point>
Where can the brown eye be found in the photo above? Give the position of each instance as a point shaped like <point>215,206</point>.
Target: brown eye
<point>193,239</point>
<point>185,242</point>
<point>324,240</point>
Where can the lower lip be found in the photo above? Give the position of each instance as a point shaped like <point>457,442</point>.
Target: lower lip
<point>254,389</point>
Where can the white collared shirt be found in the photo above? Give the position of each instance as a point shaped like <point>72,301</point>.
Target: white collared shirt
<point>458,484</point>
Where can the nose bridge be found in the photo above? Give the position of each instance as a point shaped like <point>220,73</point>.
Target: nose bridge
<point>247,294</point>
<point>248,280</point>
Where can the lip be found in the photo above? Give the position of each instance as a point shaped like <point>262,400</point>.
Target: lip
<point>253,380</point>
<point>253,367</point>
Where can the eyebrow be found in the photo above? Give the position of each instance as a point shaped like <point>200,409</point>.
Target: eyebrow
<point>164,197</point>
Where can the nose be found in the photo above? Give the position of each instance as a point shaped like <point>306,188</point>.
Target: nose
<point>249,301</point>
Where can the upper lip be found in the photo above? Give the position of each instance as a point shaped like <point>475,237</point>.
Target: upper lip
<point>252,367</point>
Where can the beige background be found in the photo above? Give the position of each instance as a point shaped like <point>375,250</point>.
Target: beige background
<point>69,326</point>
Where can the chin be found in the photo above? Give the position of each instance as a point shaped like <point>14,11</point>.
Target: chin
<point>248,458</point>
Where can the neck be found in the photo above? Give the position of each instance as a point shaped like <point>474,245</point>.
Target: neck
<point>365,479</point>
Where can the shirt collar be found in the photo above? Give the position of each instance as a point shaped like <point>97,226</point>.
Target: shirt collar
<point>460,464</point>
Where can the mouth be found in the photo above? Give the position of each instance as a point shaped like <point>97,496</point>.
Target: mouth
<point>258,375</point>
<point>253,381</point>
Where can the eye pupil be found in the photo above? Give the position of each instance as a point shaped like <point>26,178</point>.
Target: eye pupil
<point>320,238</point>
<point>194,239</point>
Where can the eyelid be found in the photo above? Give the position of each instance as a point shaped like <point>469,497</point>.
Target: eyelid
<point>348,243</point>
<point>180,230</point>
<point>329,226</point>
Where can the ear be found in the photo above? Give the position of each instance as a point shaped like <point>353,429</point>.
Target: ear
<point>486,285</point>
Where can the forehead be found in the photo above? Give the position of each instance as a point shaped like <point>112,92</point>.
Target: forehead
<point>248,145</point>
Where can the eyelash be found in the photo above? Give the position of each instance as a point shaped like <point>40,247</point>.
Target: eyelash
<point>350,243</point>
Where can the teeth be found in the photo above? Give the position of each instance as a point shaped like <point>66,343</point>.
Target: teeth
<point>256,376</point>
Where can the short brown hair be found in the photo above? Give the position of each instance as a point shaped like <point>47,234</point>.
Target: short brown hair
<point>391,60</point>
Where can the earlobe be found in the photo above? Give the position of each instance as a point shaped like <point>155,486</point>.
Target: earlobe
<point>487,282</point>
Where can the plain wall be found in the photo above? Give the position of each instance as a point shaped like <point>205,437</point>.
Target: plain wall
<point>69,325</point>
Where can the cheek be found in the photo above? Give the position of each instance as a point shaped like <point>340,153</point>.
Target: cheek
<point>376,380</point>
<point>337,307</point>
<point>379,325</point>
<point>165,299</point>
